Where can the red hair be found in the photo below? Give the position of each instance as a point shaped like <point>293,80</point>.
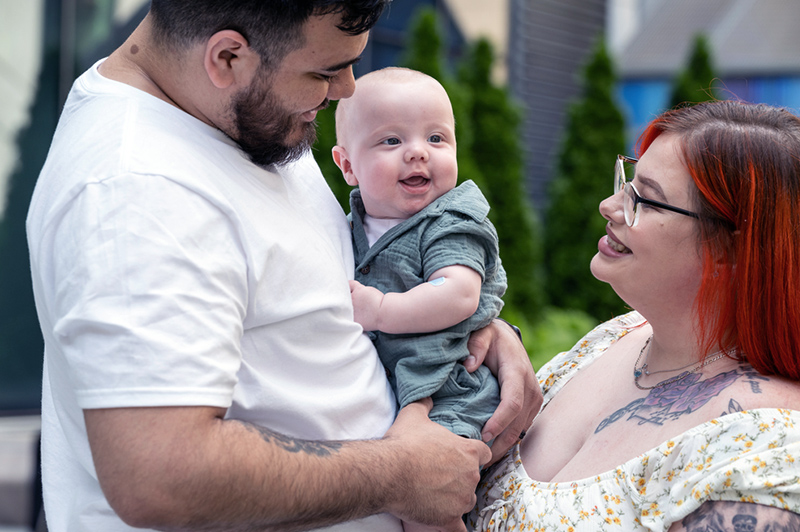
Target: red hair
<point>745,162</point>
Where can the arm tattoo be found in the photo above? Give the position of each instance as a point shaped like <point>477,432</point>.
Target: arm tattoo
<point>684,396</point>
<point>295,445</point>
<point>726,516</point>
<point>744,523</point>
<point>707,518</point>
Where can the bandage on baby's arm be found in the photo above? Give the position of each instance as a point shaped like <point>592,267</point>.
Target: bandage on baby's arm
<point>449,297</point>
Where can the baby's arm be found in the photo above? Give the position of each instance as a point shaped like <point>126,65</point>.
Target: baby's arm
<point>450,296</point>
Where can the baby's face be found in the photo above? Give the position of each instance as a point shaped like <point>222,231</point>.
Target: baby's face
<point>402,147</point>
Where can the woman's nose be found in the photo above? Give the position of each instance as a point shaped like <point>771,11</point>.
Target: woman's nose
<point>612,208</point>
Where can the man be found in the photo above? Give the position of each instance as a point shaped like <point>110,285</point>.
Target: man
<point>190,266</point>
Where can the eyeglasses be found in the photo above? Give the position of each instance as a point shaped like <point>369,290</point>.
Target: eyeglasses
<point>632,198</point>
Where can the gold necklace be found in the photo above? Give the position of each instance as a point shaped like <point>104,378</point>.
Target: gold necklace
<point>638,371</point>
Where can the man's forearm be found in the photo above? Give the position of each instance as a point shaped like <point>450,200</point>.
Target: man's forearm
<point>349,480</point>
<point>233,476</point>
<point>186,468</point>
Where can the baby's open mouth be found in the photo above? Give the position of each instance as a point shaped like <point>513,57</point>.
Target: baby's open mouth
<point>415,181</point>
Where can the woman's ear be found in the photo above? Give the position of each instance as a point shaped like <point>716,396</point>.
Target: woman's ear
<point>229,60</point>
<point>342,160</point>
<point>724,265</point>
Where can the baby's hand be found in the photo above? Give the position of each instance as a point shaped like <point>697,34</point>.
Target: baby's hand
<point>366,305</point>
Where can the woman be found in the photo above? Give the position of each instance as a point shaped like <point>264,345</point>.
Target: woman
<point>684,414</point>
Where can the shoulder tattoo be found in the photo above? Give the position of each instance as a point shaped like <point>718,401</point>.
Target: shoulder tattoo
<point>727,516</point>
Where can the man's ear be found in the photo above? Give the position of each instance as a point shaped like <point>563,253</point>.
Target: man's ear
<point>342,160</point>
<point>229,60</point>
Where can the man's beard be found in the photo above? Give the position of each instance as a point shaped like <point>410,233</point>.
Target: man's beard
<point>265,129</point>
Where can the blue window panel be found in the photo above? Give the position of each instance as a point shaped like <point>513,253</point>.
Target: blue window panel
<point>779,91</point>
<point>641,101</point>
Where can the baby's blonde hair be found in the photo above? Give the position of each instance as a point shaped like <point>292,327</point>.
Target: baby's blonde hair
<point>384,75</point>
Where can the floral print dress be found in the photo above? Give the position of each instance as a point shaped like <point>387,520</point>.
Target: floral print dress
<point>751,456</point>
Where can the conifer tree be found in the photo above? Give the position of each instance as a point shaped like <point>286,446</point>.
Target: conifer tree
<point>594,136</point>
<point>695,83</point>
<point>498,155</point>
<point>425,52</point>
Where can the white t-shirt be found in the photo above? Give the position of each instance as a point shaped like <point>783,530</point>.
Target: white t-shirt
<point>375,228</point>
<point>168,270</point>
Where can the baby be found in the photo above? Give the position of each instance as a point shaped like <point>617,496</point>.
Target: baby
<point>428,270</point>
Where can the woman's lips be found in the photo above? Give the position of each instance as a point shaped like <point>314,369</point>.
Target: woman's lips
<point>609,245</point>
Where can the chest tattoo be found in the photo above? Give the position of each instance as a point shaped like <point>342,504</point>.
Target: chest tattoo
<point>684,396</point>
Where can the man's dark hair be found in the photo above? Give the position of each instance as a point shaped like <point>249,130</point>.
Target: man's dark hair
<point>271,27</point>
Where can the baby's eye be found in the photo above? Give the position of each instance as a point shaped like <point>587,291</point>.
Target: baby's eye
<point>435,138</point>
<point>392,141</point>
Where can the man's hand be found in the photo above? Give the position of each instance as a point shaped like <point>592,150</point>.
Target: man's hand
<point>499,348</point>
<point>442,472</point>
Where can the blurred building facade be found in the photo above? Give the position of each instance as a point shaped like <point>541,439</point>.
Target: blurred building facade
<point>754,50</point>
<point>549,42</point>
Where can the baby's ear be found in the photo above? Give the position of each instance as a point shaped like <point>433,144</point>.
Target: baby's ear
<point>342,160</point>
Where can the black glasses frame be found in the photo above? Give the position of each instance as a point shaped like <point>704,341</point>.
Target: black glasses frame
<point>621,183</point>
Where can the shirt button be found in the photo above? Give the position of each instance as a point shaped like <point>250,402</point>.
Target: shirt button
<point>365,270</point>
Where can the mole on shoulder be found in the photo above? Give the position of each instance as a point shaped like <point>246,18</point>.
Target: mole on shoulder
<point>134,49</point>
